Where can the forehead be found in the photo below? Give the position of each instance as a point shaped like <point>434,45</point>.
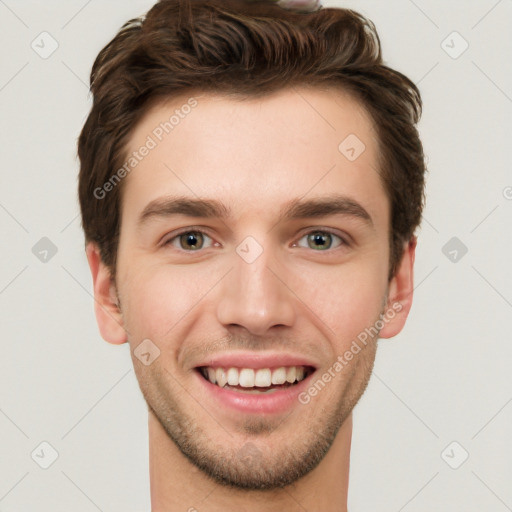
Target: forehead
<point>255,154</point>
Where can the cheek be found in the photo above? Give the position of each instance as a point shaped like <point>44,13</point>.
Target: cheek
<point>158,299</point>
<point>346,299</point>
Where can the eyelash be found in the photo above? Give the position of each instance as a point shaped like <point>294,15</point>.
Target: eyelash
<point>342,241</point>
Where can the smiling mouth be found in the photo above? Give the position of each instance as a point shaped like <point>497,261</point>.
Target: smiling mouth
<point>250,380</point>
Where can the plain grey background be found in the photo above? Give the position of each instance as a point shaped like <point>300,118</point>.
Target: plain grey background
<point>441,390</point>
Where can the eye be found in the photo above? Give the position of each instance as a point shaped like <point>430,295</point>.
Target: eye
<point>321,240</point>
<point>190,241</point>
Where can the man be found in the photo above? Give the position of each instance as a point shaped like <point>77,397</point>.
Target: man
<point>251,180</point>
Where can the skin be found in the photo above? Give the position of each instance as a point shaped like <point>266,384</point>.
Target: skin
<point>254,156</point>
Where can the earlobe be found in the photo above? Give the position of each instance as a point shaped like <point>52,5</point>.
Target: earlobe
<point>106,307</point>
<point>400,293</point>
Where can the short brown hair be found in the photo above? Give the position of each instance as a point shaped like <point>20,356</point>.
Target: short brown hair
<point>251,48</point>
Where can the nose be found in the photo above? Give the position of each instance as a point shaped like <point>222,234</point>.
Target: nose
<point>255,297</point>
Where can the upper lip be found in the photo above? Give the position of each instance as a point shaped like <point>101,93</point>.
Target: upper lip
<point>256,360</point>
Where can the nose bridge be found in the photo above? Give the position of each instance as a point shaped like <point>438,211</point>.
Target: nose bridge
<point>252,296</point>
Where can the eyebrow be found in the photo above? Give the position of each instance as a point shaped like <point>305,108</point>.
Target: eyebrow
<point>296,209</point>
<point>321,207</point>
<point>168,206</point>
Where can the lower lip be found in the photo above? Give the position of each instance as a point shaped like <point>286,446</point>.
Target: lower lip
<point>278,401</point>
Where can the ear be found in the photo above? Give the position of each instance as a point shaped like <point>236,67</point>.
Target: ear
<point>400,292</point>
<point>108,314</point>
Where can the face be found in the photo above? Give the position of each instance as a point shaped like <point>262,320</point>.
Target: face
<point>253,252</point>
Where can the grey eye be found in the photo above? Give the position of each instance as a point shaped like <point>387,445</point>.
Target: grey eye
<point>320,240</point>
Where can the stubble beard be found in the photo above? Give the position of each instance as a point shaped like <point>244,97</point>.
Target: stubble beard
<point>297,448</point>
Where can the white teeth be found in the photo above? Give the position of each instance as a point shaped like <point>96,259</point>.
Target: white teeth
<point>211,375</point>
<point>233,377</point>
<point>247,378</point>
<point>291,374</point>
<point>262,378</point>
<point>279,375</point>
<point>221,377</point>
<point>250,378</point>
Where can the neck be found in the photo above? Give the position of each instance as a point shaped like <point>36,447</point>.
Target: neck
<point>176,484</point>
